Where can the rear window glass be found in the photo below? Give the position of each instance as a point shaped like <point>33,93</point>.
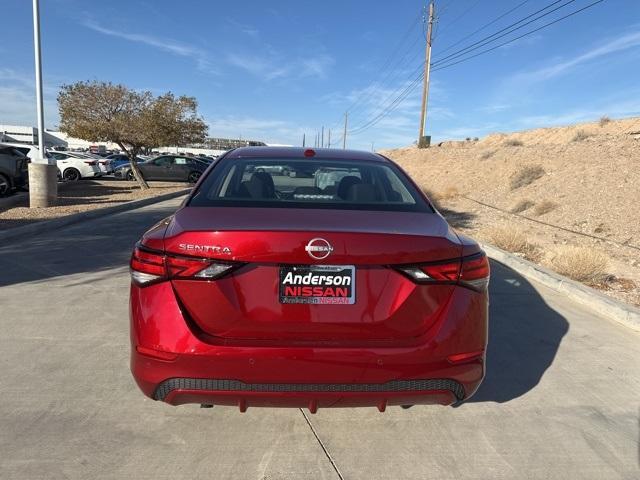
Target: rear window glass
<point>309,183</point>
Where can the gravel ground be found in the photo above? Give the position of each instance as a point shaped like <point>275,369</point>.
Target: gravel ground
<point>83,196</point>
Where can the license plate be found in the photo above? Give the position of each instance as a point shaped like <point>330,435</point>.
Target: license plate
<point>318,284</point>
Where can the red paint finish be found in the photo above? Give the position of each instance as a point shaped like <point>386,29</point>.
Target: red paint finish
<point>232,326</point>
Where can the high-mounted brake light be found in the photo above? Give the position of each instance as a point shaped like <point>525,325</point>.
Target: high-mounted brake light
<point>471,272</point>
<point>148,267</point>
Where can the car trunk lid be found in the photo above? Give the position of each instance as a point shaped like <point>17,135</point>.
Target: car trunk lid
<point>246,306</point>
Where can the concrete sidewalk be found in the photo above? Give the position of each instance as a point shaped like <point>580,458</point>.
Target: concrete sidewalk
<point>561,398</point>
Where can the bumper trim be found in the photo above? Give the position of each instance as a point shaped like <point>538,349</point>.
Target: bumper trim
<point>210,384</point>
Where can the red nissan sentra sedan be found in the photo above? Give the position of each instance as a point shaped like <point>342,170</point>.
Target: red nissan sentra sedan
<point>307,278</point>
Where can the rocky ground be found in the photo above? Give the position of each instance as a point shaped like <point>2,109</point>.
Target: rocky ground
<point>575,185</point>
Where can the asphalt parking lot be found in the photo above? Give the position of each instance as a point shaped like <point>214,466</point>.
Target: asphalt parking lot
<point>561,398</point>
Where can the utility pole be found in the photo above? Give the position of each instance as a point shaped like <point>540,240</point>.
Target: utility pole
<point>303,139</point>
<point>344,136</point>
<point>322,143</point>
<point>43,176</point>
<point>329,140</point>
<point>423,141</point>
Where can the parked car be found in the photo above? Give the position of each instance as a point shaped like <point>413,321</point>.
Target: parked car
<point>106,168</point>
<point>14,166</point>
<point>30,151</point>
<point>73,166</point>
<point>278,169</point>
<point>282,293</point>
<point>167,168</point>
<point>118,159</point>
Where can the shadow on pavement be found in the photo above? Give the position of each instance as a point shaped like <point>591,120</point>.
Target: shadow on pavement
<point>90,247</point>
<point>524,337</point>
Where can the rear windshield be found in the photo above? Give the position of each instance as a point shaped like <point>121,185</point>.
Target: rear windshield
<point>310,183</point>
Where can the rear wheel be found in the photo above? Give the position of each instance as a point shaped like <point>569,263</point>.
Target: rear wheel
<point>71,175</point>
<point>130,176</point>
<point>5,185</point>
<point>193,177</point>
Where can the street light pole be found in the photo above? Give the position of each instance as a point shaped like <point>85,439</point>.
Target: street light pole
<point>43,176</point>
<point>38,58</point>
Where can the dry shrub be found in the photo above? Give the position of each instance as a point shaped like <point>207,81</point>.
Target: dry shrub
<point>514,143</point>
<point>522,205</point>
<point>545,207</point>
<point>526,175</point>
<point>604,120</point>
<point>580,263</point>
<point>511,239</point>
<point>487,155</point>
<point>580,136</point>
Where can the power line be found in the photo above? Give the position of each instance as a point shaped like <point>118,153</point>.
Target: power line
<point>447,65</point>
<point>509,29</point>
<point>391,63</point>
<point>462,15</point>
<point>389,79</point>
<point>484,26</point>
<point>390,106</point>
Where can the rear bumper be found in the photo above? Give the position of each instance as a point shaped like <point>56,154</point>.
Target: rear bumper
<point>232,392</point>
<point>178,367</point>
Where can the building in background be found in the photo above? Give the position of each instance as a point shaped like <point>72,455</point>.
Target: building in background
<point>60,140</point>
<point>29,136</point>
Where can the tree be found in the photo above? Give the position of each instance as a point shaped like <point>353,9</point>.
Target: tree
<point>135,121</point>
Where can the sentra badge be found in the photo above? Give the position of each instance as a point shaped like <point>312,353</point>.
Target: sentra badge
<point>189,247</point>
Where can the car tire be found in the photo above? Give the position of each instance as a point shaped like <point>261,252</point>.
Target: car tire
<point>286,172</point>
<point>130,176</point>
<point>5,185</point>
<point>193,177</point>
<point>71,175</point>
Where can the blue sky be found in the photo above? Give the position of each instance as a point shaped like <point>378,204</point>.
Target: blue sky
<point>275,70</point>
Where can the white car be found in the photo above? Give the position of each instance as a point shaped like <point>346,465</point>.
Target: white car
<point>104,163</point>
<point>30,151</point>
<point>72,166</point>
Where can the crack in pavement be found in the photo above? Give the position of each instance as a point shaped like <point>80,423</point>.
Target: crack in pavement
<point>324,448</point>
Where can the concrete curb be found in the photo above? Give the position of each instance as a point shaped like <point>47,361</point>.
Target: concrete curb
<point>45,226</point>
<point>620,312</point>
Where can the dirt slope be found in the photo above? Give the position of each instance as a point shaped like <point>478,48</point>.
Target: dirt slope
<point>590,177</point>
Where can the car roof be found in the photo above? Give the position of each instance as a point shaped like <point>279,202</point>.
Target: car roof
<point>298,153</point>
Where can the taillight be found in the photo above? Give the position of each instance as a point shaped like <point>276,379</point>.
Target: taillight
<point>475,271</point>
<point>471,272</point>
<point>434,272</point>
<point>90,162</point>
<point>148,267</point>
